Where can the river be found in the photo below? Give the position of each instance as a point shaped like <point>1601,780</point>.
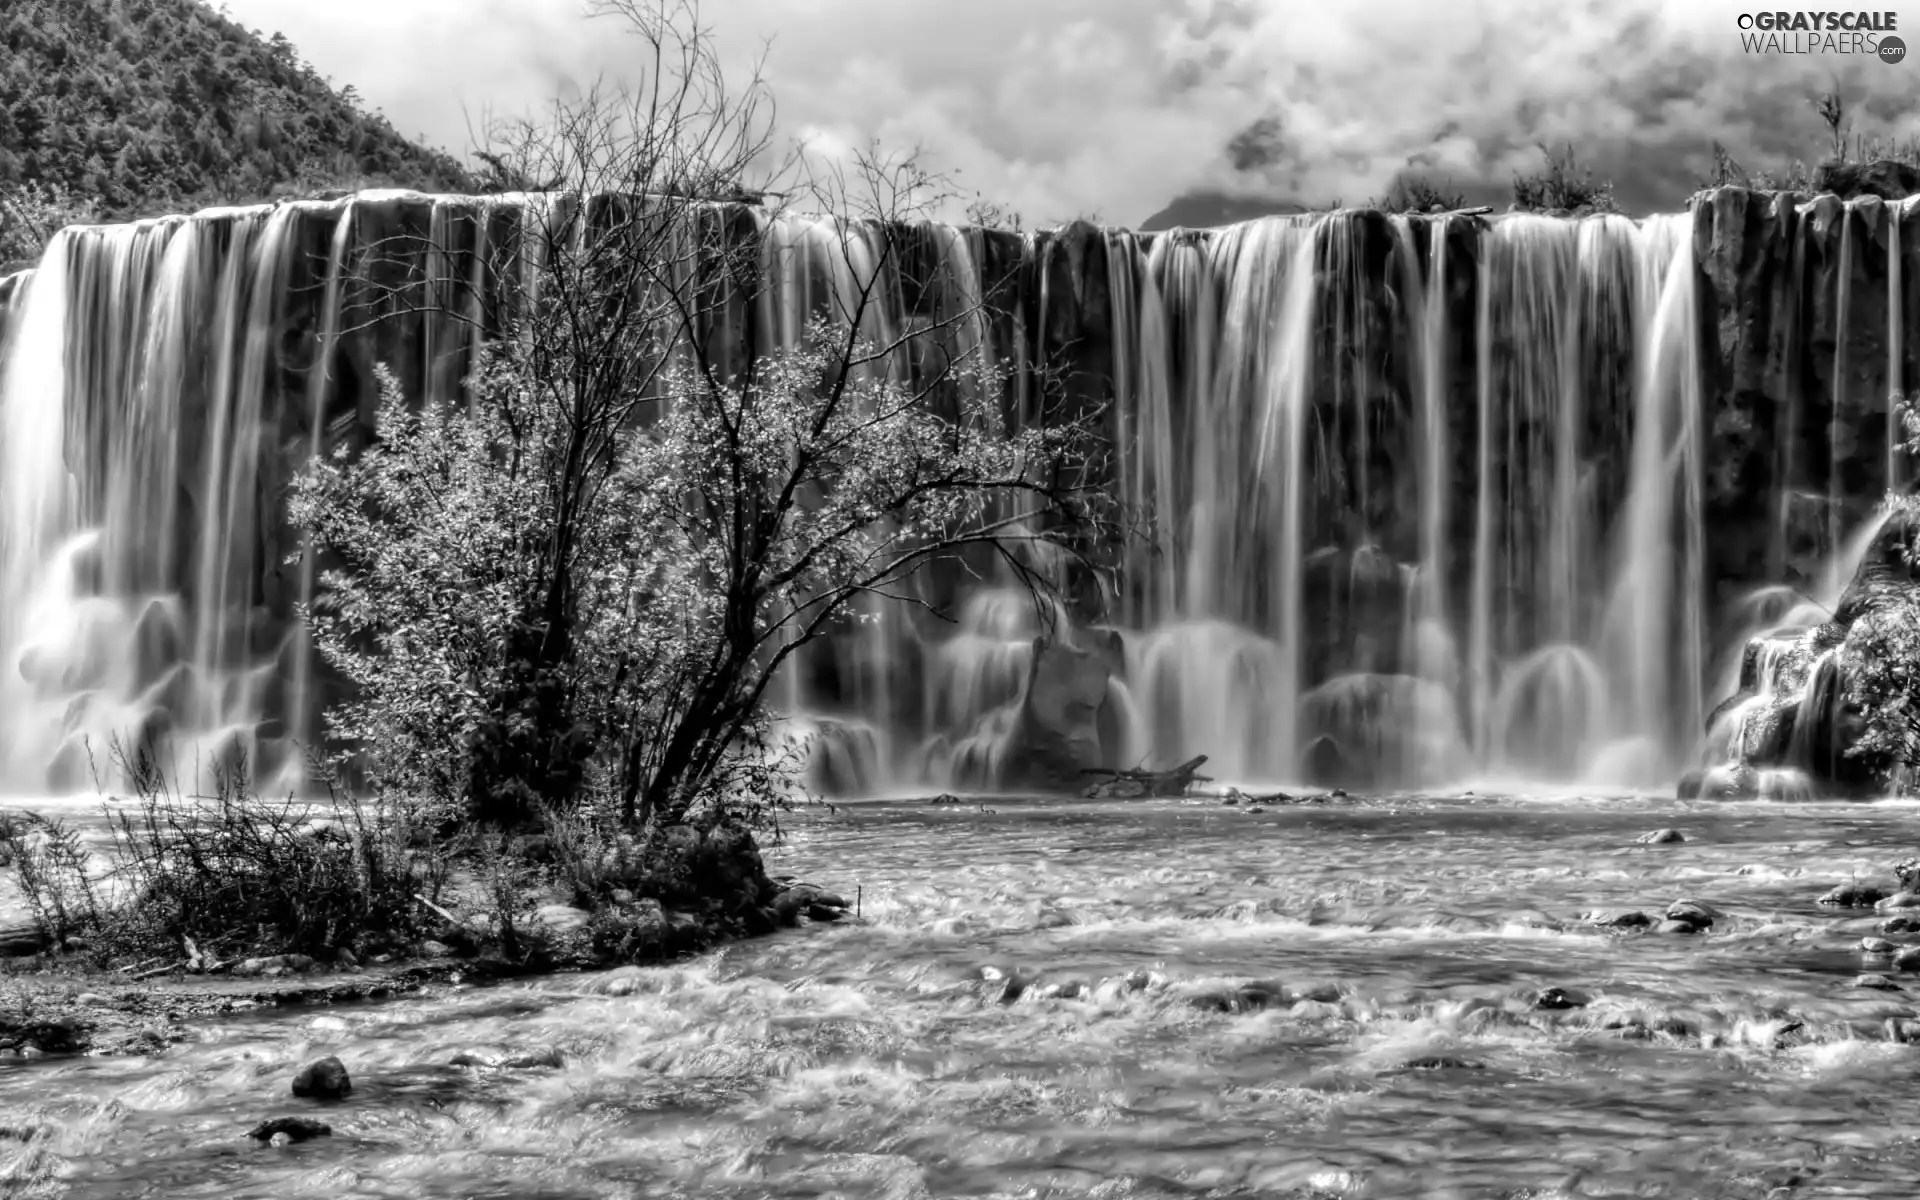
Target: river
<point>1408,1056</point>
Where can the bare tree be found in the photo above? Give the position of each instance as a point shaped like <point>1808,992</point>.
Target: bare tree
<point>692,509</point>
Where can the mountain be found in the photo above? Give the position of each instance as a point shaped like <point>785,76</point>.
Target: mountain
<point>137,107</point>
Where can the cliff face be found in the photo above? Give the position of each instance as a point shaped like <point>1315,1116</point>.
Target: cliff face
<point>1494,495</point>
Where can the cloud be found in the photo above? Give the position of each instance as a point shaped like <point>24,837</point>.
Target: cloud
<point>1062,107</point>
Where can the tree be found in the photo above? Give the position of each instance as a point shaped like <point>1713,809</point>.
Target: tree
<point>32,213</point>
<point>602,563</point>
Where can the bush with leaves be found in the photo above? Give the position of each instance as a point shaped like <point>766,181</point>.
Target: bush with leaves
<point>578,587</point>
<point>1882,656</point>
<point>1563,187</point>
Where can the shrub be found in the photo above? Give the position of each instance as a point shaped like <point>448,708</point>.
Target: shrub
<point>1563,187</point>
<point>226,875</point>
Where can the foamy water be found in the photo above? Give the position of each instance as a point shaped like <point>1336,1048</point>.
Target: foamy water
<point>872,1060</point>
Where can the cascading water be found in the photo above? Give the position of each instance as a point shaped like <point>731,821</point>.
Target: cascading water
<point>1421,498</point>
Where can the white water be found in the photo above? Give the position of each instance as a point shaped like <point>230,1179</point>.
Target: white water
<point>1407,937</point>
<point>1432,519</point>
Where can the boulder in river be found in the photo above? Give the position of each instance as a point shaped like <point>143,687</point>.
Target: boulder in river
<point>323,1079</point>
<point>1852,895</point>
<point>1661,837</point>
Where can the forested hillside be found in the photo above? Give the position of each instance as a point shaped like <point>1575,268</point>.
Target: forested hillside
<point>128,108</point>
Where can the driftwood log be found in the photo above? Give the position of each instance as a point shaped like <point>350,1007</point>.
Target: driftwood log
<point>1132,782</point>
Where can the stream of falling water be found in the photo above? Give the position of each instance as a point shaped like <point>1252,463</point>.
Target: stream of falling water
<point>1285,394</point>
<point>1402,943</point>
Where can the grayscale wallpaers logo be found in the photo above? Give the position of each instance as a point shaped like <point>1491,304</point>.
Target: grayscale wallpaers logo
<point>1823,33</point>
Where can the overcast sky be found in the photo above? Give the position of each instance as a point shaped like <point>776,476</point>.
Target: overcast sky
<point>1059,108</point>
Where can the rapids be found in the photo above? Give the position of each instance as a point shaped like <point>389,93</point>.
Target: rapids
<point>869,1059</point>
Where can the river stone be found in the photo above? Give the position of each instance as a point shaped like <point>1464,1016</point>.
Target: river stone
<point>1693,912</point>
<point>1899,900</point>
<point>1879,983</point>
<point>1617,918</point>
<point>1908,959</point>
<point>1661,837</point>
<point>1558,999</point>
<point>561,918</point>
<point>294,1129</point>
<point>1876,945</point>
<point>323,1079</point>
<point>1900,925</point>
<point>92,1000</point>
<point>1853,895</point>
<point>1671,925</point>
<point>274,964</point>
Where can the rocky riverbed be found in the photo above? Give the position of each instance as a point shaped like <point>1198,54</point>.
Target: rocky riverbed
<point>1365,996</point>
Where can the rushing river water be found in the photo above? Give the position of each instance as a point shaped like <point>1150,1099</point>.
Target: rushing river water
<point>870,1059</point>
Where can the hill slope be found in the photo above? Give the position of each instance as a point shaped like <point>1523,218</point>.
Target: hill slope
<point>149,106</point>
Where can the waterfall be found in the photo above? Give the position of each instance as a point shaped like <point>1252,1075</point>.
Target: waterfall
<point>1415,498</point>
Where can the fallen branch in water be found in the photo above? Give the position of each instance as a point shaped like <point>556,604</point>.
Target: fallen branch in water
<point>1134,781</point>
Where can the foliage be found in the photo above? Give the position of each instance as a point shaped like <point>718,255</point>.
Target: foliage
<point>145,106</point>
<point>1883,648</point>
<point>1413,194</point>
<point>30,213</point>
<point>584,582</point>
<point>1844,147</point>
<point>1564,186</point>
<point>228,874</point>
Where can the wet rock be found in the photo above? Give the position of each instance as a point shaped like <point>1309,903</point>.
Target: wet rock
<point>1320,992</point>
<point>1898,901</point>
<point>561,919</point>
<point>1065,989</point>
<point>1256,809</point>
<point>804,898</point>
<point>1908,959</point>
<point>1878,983</point>
<point>1876,945</point>
<point>1142,980</point>
<point>1900,925</point>
<point>293,1129</point>
<point>1672,926</point>
<point>433,949</point>
<point>1661,837</point>
<point>1007,984</point>
<point>1907,871</point>
<point>1852,895</point>
<point>1615,918</point>
<point>323,1079</point>
<point>1887,178</point>
<point>509,1060</point>
<point>1903,1030</point>
<point>1694,913</point>
<point>37,1038</point>
<point>274,965</point>
<point>1442,1062</point>
<point>945,798</point>
<point>1558,999</point>
<point>1253,996</point>
<point>92,1000</point>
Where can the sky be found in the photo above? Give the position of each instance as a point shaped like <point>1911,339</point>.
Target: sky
<point>1112,108</point>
